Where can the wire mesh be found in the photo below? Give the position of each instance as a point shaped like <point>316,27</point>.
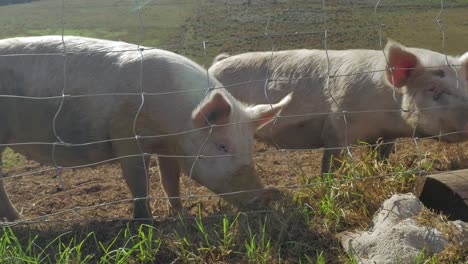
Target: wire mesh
<point>264,16</point>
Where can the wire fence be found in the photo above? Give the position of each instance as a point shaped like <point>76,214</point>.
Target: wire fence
<point>264,14</point>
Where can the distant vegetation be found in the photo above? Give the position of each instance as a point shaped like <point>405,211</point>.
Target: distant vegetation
<point>227,26</point>
<point>12,2</point>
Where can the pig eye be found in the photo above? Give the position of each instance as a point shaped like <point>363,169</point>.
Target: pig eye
<point>436,96</point>
<point>222,147</point>
<point>439,73</point>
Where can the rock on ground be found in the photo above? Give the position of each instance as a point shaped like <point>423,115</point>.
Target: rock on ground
<point>395,237</point>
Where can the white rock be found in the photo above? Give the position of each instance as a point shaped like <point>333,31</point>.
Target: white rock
<point>395,237</point>
<point>463,231</point>
<point>396,209</point>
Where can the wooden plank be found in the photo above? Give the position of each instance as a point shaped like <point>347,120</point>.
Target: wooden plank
<point>446,192</point>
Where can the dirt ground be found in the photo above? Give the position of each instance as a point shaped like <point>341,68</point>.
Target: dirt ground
<point>101,194</point>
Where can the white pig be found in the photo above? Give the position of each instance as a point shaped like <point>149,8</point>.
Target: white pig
<point>94,119</point>
<point>406,92</point>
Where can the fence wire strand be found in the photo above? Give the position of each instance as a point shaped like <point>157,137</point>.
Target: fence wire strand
<point>269,35</point>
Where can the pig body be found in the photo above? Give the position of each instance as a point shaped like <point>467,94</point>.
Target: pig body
<point>113,91</point>
<point>369,95</point>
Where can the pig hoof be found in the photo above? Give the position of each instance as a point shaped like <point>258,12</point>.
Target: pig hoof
<point>11,217</point>
<point>143,221</point>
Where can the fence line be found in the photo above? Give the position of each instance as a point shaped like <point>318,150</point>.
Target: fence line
<point>137,138</point>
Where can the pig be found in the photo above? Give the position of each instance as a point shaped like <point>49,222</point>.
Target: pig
<point>78,101</point>
<point>370,95</point>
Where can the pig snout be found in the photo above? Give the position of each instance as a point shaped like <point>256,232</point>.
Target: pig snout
<point>247,191</point>
<point>255,199</point>
<point>264,198</point>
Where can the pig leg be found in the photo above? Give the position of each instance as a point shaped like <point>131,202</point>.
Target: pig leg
<point>6,208</point>
<point>136,177</point>
<point>335,143</point>
<point>170,172</point>
<point>332,149</point>
<point>133,168</point>
<point>328,160</point>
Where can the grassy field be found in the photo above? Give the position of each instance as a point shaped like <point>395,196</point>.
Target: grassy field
<point>161,22</point>
<point>303,226</point>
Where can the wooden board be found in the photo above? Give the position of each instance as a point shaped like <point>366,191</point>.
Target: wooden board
<point>446,192</point>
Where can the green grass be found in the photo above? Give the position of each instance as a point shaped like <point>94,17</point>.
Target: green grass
<point>106,19</point>
<point>302,228</point>
<point>351,26</point>
<point>11,159</point>
<point>139,245</point>
<point>240,238</point>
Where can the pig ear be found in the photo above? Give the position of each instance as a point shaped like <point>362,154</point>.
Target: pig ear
<point>214,111</point>
<point>264,113</point>
<point>401,65</point>
<point>464,64</point>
